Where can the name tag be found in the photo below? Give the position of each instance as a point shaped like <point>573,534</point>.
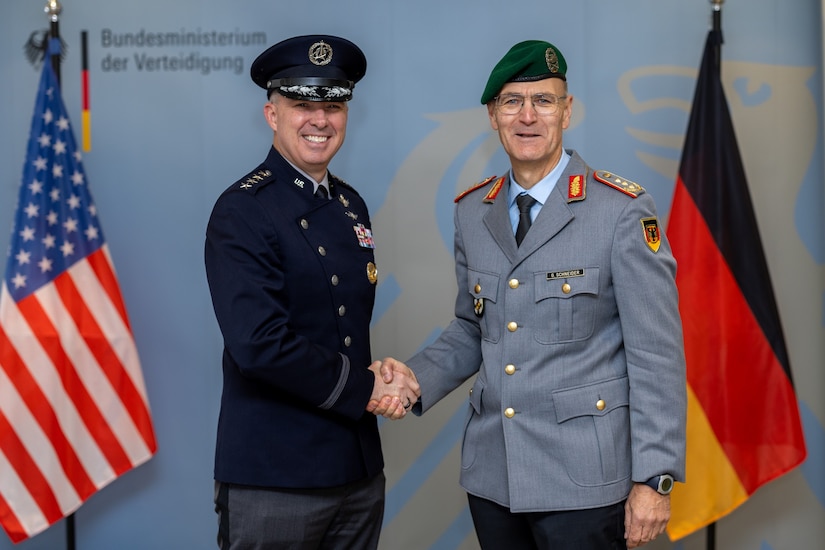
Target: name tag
<point>553,275</point>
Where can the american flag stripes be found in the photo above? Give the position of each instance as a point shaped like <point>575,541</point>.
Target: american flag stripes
<point>74,413</point>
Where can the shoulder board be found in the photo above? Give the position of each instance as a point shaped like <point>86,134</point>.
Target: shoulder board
<point>479,185</point>
<point>627,187</point>
<point>255,178</point>
<point>338,181</point>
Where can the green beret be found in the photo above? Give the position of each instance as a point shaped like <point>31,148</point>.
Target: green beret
<point>525,62</point>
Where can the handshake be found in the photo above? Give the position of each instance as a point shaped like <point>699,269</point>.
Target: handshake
<point>395,391</point>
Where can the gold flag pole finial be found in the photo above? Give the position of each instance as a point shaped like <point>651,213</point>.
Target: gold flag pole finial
<point>53,9</point>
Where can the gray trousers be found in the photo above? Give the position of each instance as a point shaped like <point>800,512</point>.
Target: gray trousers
<point>255,518</point>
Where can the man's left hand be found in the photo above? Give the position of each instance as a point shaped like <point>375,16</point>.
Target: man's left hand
<point>646,514</point>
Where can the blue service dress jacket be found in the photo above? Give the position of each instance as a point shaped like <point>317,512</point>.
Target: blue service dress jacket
<point>292,278</point>
<point>576,340</point>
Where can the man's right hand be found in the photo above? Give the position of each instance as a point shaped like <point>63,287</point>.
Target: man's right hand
<point>396,389</point>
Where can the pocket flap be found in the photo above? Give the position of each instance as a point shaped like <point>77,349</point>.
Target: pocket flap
<point>566,284</point>
<point>595,399</point>
<point>482,285</point>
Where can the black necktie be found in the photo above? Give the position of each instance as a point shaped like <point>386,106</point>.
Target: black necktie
<point>321,192</point>
<point>525,203</point>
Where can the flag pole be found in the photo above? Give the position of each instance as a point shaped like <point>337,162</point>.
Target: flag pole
<point>710,537</point>
<point>53,9</point>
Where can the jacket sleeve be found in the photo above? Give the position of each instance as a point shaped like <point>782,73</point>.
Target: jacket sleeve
<point>456,354</point>
<point>247,283</point>
<point>644,282</point>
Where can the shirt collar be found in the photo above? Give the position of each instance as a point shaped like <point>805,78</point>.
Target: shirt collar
<point>544,187</point>
<point>315,184</point>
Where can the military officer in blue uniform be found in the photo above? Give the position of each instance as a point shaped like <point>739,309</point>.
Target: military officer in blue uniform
<point>291,269</point>
<point>567,311</point>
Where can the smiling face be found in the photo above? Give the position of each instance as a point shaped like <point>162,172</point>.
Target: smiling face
<point>307,133</point>
<point>532,141</point>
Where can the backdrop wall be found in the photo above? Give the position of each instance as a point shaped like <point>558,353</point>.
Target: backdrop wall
<point>173,125</point>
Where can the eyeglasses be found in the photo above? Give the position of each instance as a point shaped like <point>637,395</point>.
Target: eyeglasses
<point>544,104</point>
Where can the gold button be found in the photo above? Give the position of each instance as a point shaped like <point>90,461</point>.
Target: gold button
<point>342,311</point>
<point>322,251</point>
<point>509,412</point>
<point>565,288</point>
<point>477,288</point>
<point>510,369</point>
<point>347,341</point>
<point>600,404</point>
<point>513,283</point>
<point>512,326</point>
<point>334,280</point>
<point>305,224</point>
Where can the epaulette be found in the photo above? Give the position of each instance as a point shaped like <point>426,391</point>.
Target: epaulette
<point>255,178</point>
<point>491,195</point>
<point>338,181</point>
<point>627,187</point>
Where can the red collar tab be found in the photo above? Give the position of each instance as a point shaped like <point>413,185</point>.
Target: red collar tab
<point>576,188</point>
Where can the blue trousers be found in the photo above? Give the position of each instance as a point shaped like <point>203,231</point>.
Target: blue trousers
<point>257,518</point>
<point>595,529</point>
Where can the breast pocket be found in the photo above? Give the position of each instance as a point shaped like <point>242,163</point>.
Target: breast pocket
<point>567,302</point>
<point>483,289</point>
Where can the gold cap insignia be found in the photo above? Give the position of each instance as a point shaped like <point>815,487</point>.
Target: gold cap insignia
<point>552,60</point>
<point>320,53</point>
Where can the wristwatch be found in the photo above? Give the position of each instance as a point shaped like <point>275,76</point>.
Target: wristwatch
<point>662,484</point>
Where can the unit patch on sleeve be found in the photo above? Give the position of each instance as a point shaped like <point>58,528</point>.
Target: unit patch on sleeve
<point>651,232</point>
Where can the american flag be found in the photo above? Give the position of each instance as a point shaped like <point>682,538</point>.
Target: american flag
<point>74,414</point>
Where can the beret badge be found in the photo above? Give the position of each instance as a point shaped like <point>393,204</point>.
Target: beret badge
<point>320,53</point>
<point>552,60</point>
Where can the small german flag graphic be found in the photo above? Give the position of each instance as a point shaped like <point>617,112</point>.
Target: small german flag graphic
<point>86,118</point>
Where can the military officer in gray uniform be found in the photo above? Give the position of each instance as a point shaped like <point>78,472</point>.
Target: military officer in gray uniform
<point>567,311</point>
<point>291,269</point>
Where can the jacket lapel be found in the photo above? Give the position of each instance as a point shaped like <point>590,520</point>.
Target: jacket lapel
<point>497,221</point>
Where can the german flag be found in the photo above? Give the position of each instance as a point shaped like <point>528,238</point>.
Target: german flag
<point>743,426</point>
<point>86,118</point>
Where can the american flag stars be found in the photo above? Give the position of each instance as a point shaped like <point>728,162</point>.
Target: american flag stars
<point>57,225</point>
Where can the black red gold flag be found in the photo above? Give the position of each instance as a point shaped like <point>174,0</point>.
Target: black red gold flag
<point>744,428</point>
